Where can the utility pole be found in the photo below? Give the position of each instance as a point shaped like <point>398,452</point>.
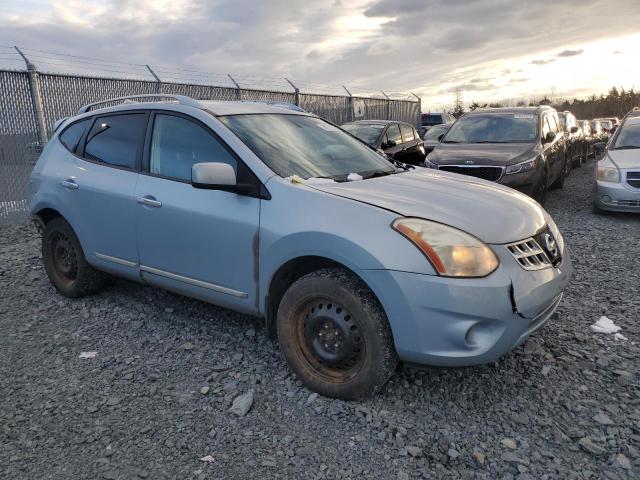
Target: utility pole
<point>238,91</point>
<point>296,92</point>
<point>419,114</point>
<point>352,113</point>
<point>157,78</point>
<point>36,100</point>
<point>388,105</point>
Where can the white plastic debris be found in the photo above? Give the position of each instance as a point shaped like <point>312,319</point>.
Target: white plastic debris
<point>605,325</point>
<point>88,354</point>
<point>619,336</point>
<point>353,177</point>
<point>310,180</point>
<point>207,459</point>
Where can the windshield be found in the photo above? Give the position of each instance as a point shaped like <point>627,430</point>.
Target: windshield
<point>494,128</point>
<point>429,119</point>
<point>367,133</point>
<point>305,146</point>
<point>434,132</point>
<point>629,136</point>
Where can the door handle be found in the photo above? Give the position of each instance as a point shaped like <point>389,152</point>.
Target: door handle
<point>69,183</point>
<point>149,201</point>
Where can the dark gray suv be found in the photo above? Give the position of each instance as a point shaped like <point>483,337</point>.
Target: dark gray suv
<point>523,148</point>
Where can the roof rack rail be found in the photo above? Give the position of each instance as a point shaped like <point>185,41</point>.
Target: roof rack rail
<point>181,99</point>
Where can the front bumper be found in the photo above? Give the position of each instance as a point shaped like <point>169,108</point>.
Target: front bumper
<point>461,322</point>
<point>617,197</point>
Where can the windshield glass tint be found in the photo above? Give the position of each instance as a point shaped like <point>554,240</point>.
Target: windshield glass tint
<point>434,132</point>
<point>629,136</point>
<point>305,146</point>
<point>494,128</point>
<point>428,120</point>
<point>367,133</point>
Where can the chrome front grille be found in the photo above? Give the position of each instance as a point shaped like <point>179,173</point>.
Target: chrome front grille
<point>633,179</point>
<point>529,254</point>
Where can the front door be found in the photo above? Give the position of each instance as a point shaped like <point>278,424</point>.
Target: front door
<point>202,243</point>
<point>394,142</point>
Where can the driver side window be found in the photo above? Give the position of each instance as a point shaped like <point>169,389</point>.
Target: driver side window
<point>178,143</point>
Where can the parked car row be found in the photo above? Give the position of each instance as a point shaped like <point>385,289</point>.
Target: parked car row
<point>354,260</point>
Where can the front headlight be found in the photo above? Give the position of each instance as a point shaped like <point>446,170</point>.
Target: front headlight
<point>607,173</point>
<point>521,167</point>
<point>555,231</point>
<point>452,252</point>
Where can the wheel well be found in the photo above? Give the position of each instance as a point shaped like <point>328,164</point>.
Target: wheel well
<point>44,216</point>
<point>286,275</point>
<point>48,214</point>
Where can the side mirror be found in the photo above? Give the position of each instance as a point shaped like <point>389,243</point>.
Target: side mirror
<point>549,137</point>
<point>440,137</point>
<point>213,175</point>
<point>574,129</point>
<point>599,146</point>
<point>390,144</point>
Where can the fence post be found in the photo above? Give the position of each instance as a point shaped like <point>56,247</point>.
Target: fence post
<point>36,100</point>
<point>419,114</point>
<point>156,77</point>
<point>388,105</point>
<point>238,90</point>
<point>352,113</point>
<point>296,93</point>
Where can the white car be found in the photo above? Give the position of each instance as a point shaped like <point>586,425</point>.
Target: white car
<point>617,182</point>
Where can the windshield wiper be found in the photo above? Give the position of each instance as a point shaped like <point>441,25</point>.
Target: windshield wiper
<point>626,147</point>
<point>450,141</point>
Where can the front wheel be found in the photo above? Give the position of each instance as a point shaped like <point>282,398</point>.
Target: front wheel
<point>65,263</point>
<point>335,335</point>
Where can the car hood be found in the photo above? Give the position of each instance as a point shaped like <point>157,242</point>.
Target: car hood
<point>481,153</point>
<point>625,159</point>
<point>489,211</point>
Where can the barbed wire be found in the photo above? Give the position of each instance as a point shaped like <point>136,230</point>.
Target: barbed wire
<point>47,61</point>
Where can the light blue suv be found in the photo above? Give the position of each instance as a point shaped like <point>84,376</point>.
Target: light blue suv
<point>356,262</point>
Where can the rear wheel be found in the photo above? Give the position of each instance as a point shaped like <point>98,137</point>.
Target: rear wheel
<point>65,262</point>
<point>335,335</point>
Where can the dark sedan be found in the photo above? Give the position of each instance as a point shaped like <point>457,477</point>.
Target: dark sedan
<point>398,140</point>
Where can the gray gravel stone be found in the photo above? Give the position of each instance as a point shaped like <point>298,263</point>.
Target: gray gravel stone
<point>56,422</point>
<point>242,404</point>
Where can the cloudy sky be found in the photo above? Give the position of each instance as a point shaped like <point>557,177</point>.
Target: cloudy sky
<point>491,49</point>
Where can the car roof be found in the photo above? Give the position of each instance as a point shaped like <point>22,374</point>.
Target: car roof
<point>376,122</point>
<point>507,110</point>
<point>224,107</point>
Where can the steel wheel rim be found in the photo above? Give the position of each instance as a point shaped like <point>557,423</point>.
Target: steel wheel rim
<point>64,258</point>
<point>329,340</point>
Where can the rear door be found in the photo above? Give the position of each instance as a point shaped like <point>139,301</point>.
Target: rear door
<point>104,185</point>
<point>413,150</point>
<point>198,242</point>
<point>394,142</point>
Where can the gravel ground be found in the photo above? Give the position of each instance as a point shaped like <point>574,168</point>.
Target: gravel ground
<point>156,399</point>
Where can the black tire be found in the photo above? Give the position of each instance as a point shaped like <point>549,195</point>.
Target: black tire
<point>539,193</point>
<point>65,262</point>
<point>312,310</point>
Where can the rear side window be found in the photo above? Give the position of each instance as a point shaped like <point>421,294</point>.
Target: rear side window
<point>117,139</point>
<point>71,135</point>
<point>393,134</point>
<point>178,143</point>
<point>407,133</point>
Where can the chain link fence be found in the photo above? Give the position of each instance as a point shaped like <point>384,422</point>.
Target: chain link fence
<point>32,101</point>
